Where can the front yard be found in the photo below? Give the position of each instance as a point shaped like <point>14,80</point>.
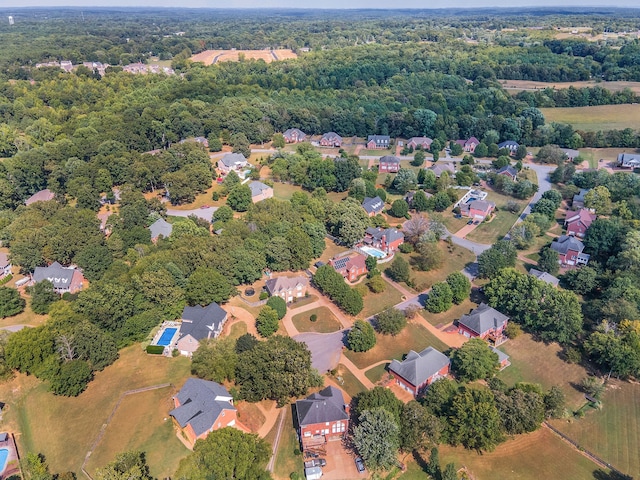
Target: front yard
<point>490,232</point>
<point>377,302</point>
<point>326,322</point>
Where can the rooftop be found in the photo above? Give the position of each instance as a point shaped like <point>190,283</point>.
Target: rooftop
<point>325,406</point>
<point>483,319</point>
<point>417,368</point>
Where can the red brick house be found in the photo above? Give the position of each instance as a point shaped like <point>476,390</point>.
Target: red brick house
<point>484,322</point>
<point>331,139</point>
<point>419,370</point>
<point>477,209</point>
<point>378,142</point>
<point>569,250</point>
<point>577,223</point>
<point>386,239</point>
<point>294,135</point>
<point>389,164</point>
<point>64,279</point>
<point>470,145</point>
<point>508,171</point>
<point>350,267</point>
<point>423,142</point>
<point>202,407</point>
<point>320,418</point>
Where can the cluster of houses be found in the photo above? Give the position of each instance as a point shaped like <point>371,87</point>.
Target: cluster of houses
<point>135,68</point>
<point>238,163</point>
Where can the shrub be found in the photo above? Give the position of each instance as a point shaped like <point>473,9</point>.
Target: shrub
<point>155,349</point>
<point>573,355</point>
<point>279,305</point>
<point>215,196</point>
<point>377,284</point>
<point>406,248</point>
<point>264,295</point>
<point>513,330</point>
<point>313,317</point>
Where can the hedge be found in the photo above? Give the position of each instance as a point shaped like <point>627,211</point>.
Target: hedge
<point>155,349</point>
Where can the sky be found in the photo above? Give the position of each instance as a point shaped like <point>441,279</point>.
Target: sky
<point>326,4</point>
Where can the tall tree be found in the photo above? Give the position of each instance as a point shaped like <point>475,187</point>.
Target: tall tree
<point>377,438</point>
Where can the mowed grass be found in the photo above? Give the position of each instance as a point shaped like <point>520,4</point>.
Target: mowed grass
<point>537,362</point>
<point>489,232</point>
<point>349,383</point>
<point>144,417</point>
<point>591,119</point>
<point>237,330</point>
<point>612,433</point>
<point>454,259</point>
<point>444,318</point>
<point>413,337</point>
<point>286,462</point>
<point>375,374</point>
<point>377,302</point>
<point>63,429</point>
<point>325,323</point>
<point>284,191</point>
<point>533,456</point>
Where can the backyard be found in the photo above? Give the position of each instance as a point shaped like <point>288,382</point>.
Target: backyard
<point>286,461</point>
<point>488,232</point>
<point>326,321</point>
<point>377,302</point>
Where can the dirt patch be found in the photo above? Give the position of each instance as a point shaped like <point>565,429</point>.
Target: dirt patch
<point>209,57</point>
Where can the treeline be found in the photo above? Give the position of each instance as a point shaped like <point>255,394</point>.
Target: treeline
<point>576,97</point>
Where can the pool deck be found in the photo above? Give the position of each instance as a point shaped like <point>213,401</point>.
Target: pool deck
<point>13,465</point>
<point>161,330</point>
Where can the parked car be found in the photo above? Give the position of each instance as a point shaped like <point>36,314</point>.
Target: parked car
<point>477,222</point>
<point>360,465</point>
<point>457,215</point>
<point>316,462</point>
<point>470,222</point>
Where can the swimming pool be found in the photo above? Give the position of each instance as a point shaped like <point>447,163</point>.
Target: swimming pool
<point>4,454</point>
<point>166,337</point>
<point>374,252</point>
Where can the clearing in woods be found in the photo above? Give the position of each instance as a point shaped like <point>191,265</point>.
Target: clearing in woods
<point>592,119</point>
<point>209,57</point>
<point>515,86</point>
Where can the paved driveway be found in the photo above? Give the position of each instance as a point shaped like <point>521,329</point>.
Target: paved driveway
<point>325,348</point>
<point>203,213</point>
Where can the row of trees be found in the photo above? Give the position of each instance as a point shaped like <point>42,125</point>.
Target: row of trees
<point>330,282</point>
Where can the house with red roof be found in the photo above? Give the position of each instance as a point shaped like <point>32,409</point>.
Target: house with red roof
<point>577,223</point>
<point>423,142</point>
<point>469,145</point>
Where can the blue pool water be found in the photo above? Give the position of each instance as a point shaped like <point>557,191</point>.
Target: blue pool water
<point>167,335</point>
<point>374,252</point>
<point>4,453</point>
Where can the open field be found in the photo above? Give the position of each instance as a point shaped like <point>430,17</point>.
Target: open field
<point>537,362</point>
<point>612,433</point>
<point>603,117</point>
<point>413,337</point>
<point>515,86</point>
<point>286,462</point>
<point>63,428</point>
<point>377,302</point>
<point>594,155</point>
<point>326,322</point>
<point>209,57</point>
<point>284,191</point>
<point>490,232</point>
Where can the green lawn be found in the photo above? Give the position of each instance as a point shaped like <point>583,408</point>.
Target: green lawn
<point>377,302</point>
<point>326,322</point>
<point>452,223</point>
<point>297,303</point>
<point>413,337</point>
<point>613,433</point>
<point>284,191</point>
<point>286,461</point>
<point>349,382</point>
<point>237,330</point>
<point>375,374</point>
<point>489,232</point>
<point>592,119</point>
<point>455,312</point>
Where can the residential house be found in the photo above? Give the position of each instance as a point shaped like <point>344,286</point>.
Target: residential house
<point>321,417</point>
<point>508,171</point>
<point>201,140</point>
<point>287,288</point>
<point>422,142</point>
<point>484,322</point>
<point>160,228</point>
<point>232,161</point>
<point>373,206</point>
<point>331,139</point>
<point>439,168</point>
<point>477,209</point>
<point>577,223</point>
<point>629,160</point>
<point>41,196</point>
<point>260,191</point>
<point>419,370</point>
<point>64,279</point>
<point>545,277</point>
<point>578,199</point>
<point>389,164</point>
<point>510,145</point>
<point>503,358</point>
<point>294,135</point>
<point>5,265</point>
<point>569,250</point>
<point>408,197</point>
<point>570,153</point>
<point>199,323</point>
<point>350,267</point>
<point>200,407</point>
<point>378,142</point>
<point>386,239</point>
<point>469,145</point>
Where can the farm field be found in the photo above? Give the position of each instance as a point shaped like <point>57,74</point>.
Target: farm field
<point>514,86</point>
<point>325,323</point>
<point>209,57</point>
<point>613,432</point>
<point>603,117</point>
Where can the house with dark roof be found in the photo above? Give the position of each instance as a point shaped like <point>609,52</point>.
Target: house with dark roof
<point>508,171</point>
<point>503,358</point>
<point>386,239</point>
<point>510,145</point>
<point>200,407</point>
<point>378,142</point>
<point>294,135</point>
<point>373,206</point>
<point>201,140</point>
<point>5,265</point>
<point>287,288</point>
<point>160,228</point>
<point>477,209</point>
<point>578,199</point>
<point>260,191</point>
<point>419,370</point>
<point>545,277</point>
<point>439,168</point>
<point>351,267</point>
<point>484,322</point>
<point>570,153</point>
<point>331,139</point>
<point>569,250</point>
<point>629,160</point>
<point>199,323</point>
<point>389,164</point>
<point>469,145</point>
<point>232,161</point>
<point>422,142</point>
<point>64,279</point>
<point>577,223</point>
<point>45,195</point>
<point>320,418</point>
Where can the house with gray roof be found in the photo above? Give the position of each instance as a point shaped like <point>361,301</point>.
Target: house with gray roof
<point>373,206</point>
<point>160,228</point>
<point>64,279</point>
<point>294,135</point>
<point>232,161</point>
<point>5,265</point>
<point>287,288</point>
<point>419,370</point>
<point>578,199</point>
<point>321,417</point>
<point>544,276</point>
<point>331,139</point>
<point>629,160</point>
<point>484,322</point>
<point>508,171</point>
<point>570,153</point>
<point>41,196</point>
<point>199,323</point>
<point>503,358</point>
<point>260,191</point>
<point>386,239</point>
<point>569,250</point>
<point>389,164</point>
<point>439,168</point>
<point>202,407</point>
<point>378,142</point>
<point>510,145</point>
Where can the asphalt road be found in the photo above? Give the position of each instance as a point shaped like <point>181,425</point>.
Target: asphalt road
<point>325,348</point>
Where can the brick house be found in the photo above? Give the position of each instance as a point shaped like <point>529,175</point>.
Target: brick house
<point>232,161</point>
<point>160,228</point>
<point>508,171</point>
<point>373,206</point>
<point>260,191</point>
<point>484,322</point>
<point>331,139</point>
<point>320,418</point>
<point>5,265</point>
<point>386,239</point>
<point>378,142</point>
<point>569,250</point>
<point>41,196</point>
<point>64,279</point>
<point>199,323</point>
<point>469,145</point>
<point>477,209</point>
<point>423,142</point>
<point>350,267</point>
<point>419,370</point>
<point>439,168</point>
<point>544,276</point>
<point>294,135</point>
<point>287,288</point>
<point>577,223</point>
<point>200,407</point>
<point>510,145</point>
<point>389,164</point>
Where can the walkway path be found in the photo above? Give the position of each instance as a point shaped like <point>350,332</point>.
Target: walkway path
<point>276,441</point>
<point>359,374</point>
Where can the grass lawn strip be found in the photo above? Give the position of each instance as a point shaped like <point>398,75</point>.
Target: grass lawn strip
<point>376,373</point>
<point>454,313</point>
<point>326,322</point>
<point>349,382</point>
<point>286,462</point>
